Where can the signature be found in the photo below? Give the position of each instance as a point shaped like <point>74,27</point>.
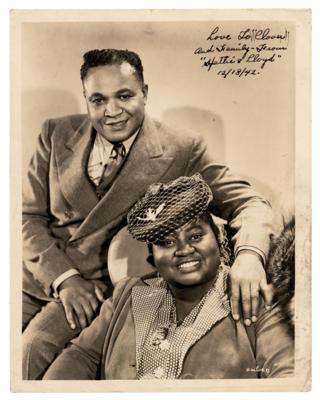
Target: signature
<point>259,369</point>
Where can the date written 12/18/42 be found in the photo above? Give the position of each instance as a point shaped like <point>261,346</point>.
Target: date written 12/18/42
<point>239,72</point>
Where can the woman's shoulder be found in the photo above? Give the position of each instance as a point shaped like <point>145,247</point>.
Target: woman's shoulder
<point>125,285</point>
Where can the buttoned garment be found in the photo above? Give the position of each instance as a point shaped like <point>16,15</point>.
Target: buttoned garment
<point>66,226</point>
<point>228,350</point>
<point>161,341</point>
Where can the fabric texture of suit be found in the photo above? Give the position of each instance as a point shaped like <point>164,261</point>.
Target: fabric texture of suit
<point>66,226</point>
<point>229,350</point>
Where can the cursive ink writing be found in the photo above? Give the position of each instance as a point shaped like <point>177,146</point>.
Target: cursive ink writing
<point>262,34</point>
<point>255,58</point>
<point>224,47</point>
<point>213,35</point>
<point>264,47</point>
<point>216,61</point>
<point>200,50</point>
<point>239,72</point>
<point>240,49</point>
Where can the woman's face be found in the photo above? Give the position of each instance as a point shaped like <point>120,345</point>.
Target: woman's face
<point>189,256</point>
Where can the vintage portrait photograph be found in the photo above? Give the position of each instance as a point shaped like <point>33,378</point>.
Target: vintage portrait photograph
<point>162,200</point>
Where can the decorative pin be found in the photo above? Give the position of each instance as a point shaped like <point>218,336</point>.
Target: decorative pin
<point>164,345</point>
<point>152,215</point>
<point>159,336</point>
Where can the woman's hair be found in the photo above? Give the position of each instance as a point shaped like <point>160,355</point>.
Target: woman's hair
<point>220,234</point>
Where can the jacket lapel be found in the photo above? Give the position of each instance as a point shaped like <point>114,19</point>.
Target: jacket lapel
<point>146,301</point>
<point>144,165</point>
<point>72,163</point>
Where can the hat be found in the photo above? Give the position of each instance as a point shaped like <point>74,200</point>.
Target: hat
<point>166,207</point>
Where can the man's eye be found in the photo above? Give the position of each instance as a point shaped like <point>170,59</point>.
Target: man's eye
<point>96,101</point>
<point>125,96</point>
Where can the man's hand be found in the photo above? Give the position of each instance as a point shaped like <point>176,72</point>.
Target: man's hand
<point>248,278</point>
<point>80,299</point>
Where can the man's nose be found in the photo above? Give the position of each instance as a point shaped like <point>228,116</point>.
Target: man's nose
<point>112,109</point>
<point>183,249</point>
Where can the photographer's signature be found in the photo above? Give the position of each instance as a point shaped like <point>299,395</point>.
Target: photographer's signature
<point>259,369</point>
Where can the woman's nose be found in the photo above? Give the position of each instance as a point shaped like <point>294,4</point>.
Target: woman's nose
<point>183,249</point>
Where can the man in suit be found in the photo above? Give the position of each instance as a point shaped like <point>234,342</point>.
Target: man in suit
<point>87,172</point>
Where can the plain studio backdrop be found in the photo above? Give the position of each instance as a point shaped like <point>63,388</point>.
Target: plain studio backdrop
<point>248,122</point>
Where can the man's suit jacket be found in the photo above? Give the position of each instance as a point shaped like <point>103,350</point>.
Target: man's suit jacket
<point>228,350</point>
<point>66,226</point>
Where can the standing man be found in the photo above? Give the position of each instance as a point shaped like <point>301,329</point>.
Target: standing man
<point>87,172</point>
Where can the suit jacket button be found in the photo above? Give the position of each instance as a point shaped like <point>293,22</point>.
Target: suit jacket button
<point>68,214</point>
<point>187,375</point>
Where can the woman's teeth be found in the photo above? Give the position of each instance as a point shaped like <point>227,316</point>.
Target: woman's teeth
<point>188,265</point>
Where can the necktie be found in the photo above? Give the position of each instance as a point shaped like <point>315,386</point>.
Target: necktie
<point>111,169</point>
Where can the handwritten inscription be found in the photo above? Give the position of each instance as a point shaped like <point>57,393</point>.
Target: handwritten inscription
<point>247,53</point>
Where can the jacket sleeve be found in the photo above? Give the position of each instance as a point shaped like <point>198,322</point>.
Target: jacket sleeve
<point>274,345</point>
<point>41,253</point>
<point>249,216</point>
<point>82,359</point>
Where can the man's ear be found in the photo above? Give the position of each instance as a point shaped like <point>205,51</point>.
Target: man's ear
<point>145,89</point>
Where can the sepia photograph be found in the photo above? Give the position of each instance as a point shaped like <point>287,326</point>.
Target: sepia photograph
<point>162,200</point>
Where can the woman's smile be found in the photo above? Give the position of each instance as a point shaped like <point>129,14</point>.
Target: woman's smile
<point>189,256</point>
<point>189,266</point>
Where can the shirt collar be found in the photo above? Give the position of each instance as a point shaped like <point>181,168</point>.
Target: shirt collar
<point>107,146</point>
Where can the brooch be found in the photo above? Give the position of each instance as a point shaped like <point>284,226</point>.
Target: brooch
<point>159,338</point>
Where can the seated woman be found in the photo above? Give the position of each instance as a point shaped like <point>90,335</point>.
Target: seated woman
<point>176,324</point>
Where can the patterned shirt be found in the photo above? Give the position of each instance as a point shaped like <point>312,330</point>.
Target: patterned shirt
<point>100,155</point>
<point>161,342</point>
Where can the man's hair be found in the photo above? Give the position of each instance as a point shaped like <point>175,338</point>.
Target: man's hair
<point>97,58</point>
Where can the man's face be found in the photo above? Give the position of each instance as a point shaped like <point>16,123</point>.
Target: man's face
<point>115,100</point>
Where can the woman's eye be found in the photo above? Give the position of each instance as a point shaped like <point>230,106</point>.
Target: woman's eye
<point>166,243</point>
<point>196,237</point>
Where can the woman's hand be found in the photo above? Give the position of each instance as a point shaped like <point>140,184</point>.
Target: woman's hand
<point>80,299</point>
<point>248,279</point>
